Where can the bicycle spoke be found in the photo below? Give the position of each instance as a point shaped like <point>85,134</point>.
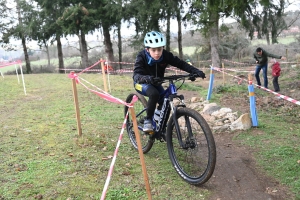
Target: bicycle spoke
<point>195,159</point>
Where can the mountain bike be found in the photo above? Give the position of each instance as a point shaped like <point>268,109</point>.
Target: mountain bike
<point>190,142</point>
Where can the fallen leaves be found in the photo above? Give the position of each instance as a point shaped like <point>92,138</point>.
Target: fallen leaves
<point>107,157</point>
<point>271,190</point>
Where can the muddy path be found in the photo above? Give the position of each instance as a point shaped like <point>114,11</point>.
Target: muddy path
<point>237,176</point>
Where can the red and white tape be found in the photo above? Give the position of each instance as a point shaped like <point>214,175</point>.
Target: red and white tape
<point>125,63</point>
<point>110,98</point>
<point>9,64</point>
<point>263,88</point>
<point>279,95</point>
<point>90,70</point>
<point>113,160</point>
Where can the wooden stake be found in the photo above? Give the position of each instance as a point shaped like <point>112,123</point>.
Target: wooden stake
<point>76,105</point>
<point>250,77</point>
<point>138,140</point>
<point>103,74</point>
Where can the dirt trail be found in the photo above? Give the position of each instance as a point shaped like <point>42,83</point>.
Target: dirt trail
<point>236,176</point>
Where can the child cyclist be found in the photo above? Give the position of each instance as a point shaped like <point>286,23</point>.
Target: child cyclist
<point>151,63</point>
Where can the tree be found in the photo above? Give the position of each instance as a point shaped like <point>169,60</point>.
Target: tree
<point>21,30</point>
<point>271,20</point>
<point>206,15</point>
<point>111,16</point>
<point>52,28</point>
<point>145,16</point>
<point>40,31</point>
<point>78,20</point>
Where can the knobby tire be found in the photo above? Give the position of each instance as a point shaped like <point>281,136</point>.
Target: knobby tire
<point>196,163</point>
<point>139,105</point>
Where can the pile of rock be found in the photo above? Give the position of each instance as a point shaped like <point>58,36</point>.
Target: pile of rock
<point>220,119</point>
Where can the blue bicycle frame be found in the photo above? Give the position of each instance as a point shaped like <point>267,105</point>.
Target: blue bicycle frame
<point>165,111</point>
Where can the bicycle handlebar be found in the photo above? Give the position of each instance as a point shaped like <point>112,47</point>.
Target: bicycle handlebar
<point>191,77</point>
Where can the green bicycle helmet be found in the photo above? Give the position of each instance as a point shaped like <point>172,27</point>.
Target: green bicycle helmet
<point>154,39</point>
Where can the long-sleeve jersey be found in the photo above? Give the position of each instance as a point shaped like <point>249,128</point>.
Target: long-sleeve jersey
<point>142,68</point>
<point>263,58</point>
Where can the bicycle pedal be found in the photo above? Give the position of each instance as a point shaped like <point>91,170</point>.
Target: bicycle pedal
<point>162,140</point>
<point>149,132</point>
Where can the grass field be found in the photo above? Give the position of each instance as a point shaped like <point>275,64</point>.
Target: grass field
<point>281,40</point>
<point>42,154</point>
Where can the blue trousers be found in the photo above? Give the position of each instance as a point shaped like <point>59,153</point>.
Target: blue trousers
<point>154,93</point>
<point>265,72</point>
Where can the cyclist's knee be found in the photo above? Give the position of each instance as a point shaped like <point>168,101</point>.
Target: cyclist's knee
<point>154,95</point>
<point>152,92</point>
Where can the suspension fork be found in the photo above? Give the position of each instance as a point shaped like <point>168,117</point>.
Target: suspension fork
<point>178,132</point>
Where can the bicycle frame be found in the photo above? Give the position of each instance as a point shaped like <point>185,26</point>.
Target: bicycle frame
<point>188,137</point>
<point>169,94</point>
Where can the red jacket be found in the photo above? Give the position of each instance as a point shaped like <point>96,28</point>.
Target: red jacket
<point>276,69</point>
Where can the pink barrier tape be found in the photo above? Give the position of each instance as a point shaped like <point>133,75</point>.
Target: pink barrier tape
<point>103,95</point>
<point>113,160</point>
<point>220,70</point>
<point>9,64</point>
<point>99,70</point>
<point>90,70</point>
<point>86,69</point>
<point>289,62</point>
<point>117,62</point>
<point>110,98</point>
<point>203,61</point>
<point>279,95</point>
<point>174,69</point>
<point>239,63</point>
<point>124,71</point>
<point>238,70</point>
<point>263,88</point>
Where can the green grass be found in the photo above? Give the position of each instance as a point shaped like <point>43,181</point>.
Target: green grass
<point>277,149</point>
<point>281,40</point>
<point>9,68</point>
<point>187,50</point>
<point>70,61</point>
<point>275,142</point>
<point>42,154</point>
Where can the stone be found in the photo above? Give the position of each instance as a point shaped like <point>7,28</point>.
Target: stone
<point>195,99</point>
<point>242,123</point>
<point>210,108</point>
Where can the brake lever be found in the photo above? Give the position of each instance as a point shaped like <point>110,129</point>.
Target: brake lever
<point>158,80</point>
<point>192,77</point>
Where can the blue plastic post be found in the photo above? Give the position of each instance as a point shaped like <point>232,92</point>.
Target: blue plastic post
<point>211,81</point>
<point>252,102</point>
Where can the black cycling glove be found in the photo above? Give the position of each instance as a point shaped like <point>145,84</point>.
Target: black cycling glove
<point>146,79</point>
<point>200,74</point>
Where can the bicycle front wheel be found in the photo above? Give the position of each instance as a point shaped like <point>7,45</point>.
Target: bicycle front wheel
<point>194,159</point>
<point>139,107</point>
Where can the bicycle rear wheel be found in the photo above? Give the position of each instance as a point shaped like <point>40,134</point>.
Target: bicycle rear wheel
<point>139,107</point>
<point>195,161</point>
